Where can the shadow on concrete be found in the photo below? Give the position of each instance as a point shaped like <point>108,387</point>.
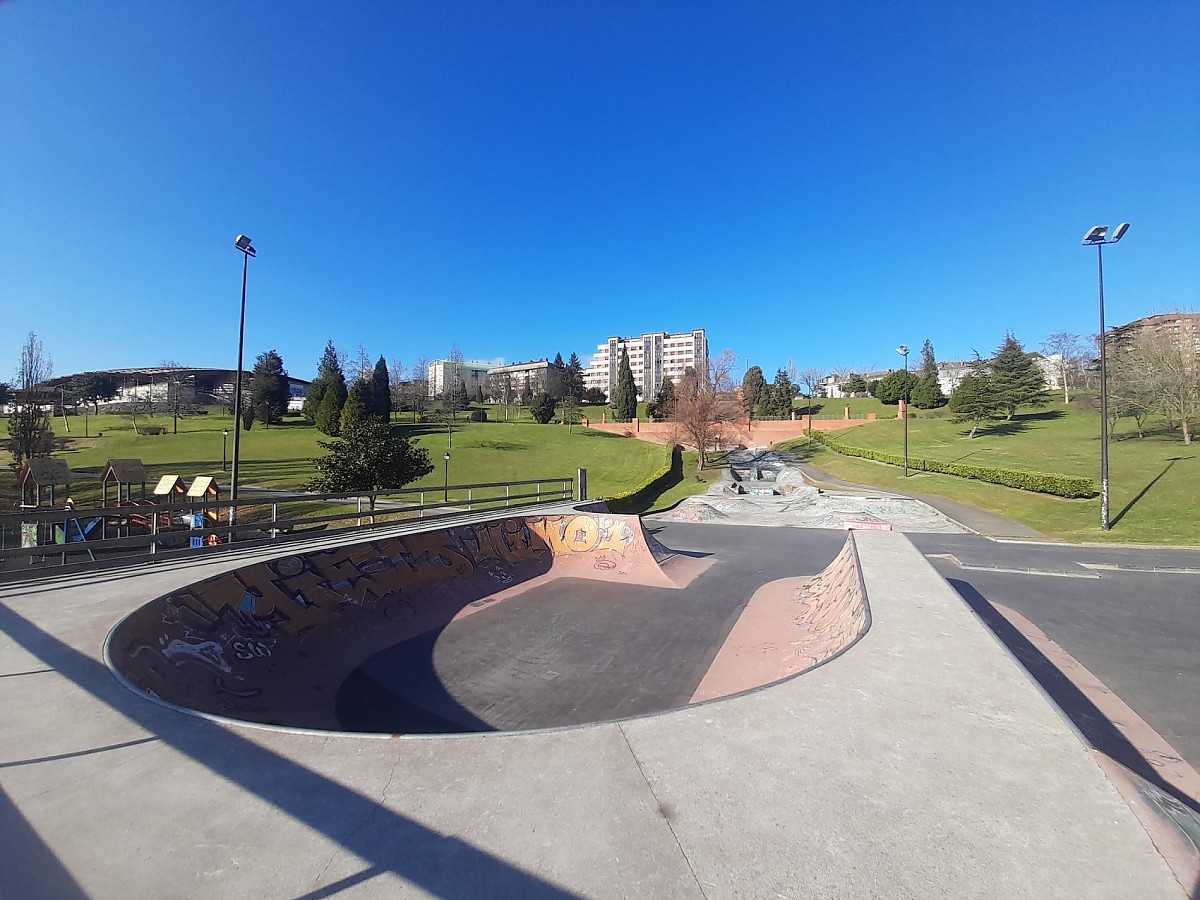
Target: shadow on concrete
<point>1096,728</point>
<point>30,867</point>
<point>387,841</point>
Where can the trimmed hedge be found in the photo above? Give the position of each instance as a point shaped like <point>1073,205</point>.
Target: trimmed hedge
<point>1073,487</point>
<point>672,470</point>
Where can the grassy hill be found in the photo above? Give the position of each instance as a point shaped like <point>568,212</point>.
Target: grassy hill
<point>1154,481</point>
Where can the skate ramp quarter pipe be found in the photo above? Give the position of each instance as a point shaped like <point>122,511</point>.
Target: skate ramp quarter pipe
<point>344,639</point>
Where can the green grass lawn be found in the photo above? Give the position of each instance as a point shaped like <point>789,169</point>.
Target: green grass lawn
<point>1154,483</point>
<point>859,407</point>
<point>281,456</point>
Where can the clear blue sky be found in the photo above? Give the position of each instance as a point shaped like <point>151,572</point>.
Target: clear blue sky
<point>819,180</point>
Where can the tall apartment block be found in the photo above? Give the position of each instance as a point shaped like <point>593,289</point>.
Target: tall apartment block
<point>653,357</point>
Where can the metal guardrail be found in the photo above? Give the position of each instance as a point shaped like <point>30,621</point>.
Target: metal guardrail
<point>43,541</point>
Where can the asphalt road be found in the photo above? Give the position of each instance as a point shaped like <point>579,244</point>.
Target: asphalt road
<point>1131,616</point>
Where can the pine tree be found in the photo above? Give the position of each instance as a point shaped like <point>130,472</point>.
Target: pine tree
<point>381,391</point>
<point>1016,379</point>
<point>542,407</point>
<point>355,410</point>
<point>854,384</point>
<point>778,404</point>
<point>269,389</point>
<point>625,396</point>
<point>326,370</point>
<point>574,379</point>
<point>329,416</point>
<point>926,390</point>
<point>370,457</point>
<point>975,399</point>
<point>754,389</point>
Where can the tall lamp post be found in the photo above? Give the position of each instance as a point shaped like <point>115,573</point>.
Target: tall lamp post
<point>903,351</point>
<point>1099,237</point>
<point>242,243</point>
<point>446,482</point>
<point>224,440</point>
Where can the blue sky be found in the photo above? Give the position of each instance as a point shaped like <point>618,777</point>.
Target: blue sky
<point>814,181</point>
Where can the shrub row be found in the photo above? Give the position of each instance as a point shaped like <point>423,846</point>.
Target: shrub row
<point>672,470</point>
<point>1070,486</point>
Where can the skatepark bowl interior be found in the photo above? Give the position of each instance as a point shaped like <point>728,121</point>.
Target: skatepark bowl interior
<point>519,623</point>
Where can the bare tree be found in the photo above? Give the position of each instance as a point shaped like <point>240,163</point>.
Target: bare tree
<point>30,435</point>
<point>1068,352</point>
<point>419,385</point>
<point>397,375</point>
<point>811,378</point>
<point>1169,376</point>
<point>705,400</point>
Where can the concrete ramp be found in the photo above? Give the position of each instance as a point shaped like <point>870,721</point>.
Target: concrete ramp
<point>270,643</point>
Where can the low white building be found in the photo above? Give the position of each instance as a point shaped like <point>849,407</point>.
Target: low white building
<point>444,373</point>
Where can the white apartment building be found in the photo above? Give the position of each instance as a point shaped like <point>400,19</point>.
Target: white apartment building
<point>653,357</point>
<point>444,372</point>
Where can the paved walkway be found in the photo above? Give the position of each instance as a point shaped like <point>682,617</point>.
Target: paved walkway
<point>923,762</point>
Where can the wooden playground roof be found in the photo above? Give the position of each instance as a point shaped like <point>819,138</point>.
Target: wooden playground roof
<point>168,485</point>
<point>47,471</point>
<point>203,485</point>
<point>124,471</point>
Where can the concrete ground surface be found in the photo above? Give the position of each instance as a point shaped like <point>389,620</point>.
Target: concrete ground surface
<point>923,762</point>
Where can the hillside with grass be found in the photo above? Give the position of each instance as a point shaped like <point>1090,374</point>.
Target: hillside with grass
<point>1154,481</point>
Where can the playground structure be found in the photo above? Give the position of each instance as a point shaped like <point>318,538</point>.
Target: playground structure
<point>123,490</point>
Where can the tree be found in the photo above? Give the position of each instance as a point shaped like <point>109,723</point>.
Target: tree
<point>381,391</point>
<point>975,398</point>
<point>269,389</point>
<point>811,378</point>
<point>369,457</point>
<point>399,390</point>
<point>596,397</point>
<point>663,405</point>
<point>1129,395</point>
<point>526,395</point>
<point>419,386</point>
<point>926,390</point>
<point>854,385</point>
<point>329,370</point>
<point>573,378</point>
<point>542,407</point>
<point>625,396</point>
<point>355,410</point>
<point>778,402</point>
<point>1169,376</point>
<point>754,389</point>
<point>703,401</point>
<point>1066,351</point>
<point>329,415</point>
<point>456,399</point>
<point>94,387</point>
<point>1016,379</point>
<point>30,434</point>
<point>6,393</point>
<point>891,388</point>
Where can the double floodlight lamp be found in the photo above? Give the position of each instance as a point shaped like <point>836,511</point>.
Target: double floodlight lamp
<point>243,244</point>
<point>1099,234</point>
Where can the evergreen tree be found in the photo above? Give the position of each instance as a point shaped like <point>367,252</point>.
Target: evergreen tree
<point>625,396</point>
<point>327,371</point>
<point>926,391</point>
<point>381,391</point>
<point>542,407</point>
<point>329,415</point>
<point>754,389</point>
<point>778,403</point>
<point>663,405</point>
<point>975,400</point>
<point>269,390</point>
<point>355,410</point>
<point>854,384</point>
<point>1016,378</point>
<point>527,394</point>
<point>370,457</point>
<point>891,387</point>
<point>573,378</point>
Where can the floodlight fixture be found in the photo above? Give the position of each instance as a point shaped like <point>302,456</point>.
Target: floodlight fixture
<point>1119,233</point>
<point>243,243</point>
<point>902,349</point>
<point>1096,235</point>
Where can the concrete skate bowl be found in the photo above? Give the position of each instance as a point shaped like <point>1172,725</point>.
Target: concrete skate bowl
<point>505,625</point>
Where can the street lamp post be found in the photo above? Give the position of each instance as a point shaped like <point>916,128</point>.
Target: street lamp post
<point>446,482</point>
<point>1099,236</point>
<point>243,243</point>
<point>903,351</point>
<point>224,441</point>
